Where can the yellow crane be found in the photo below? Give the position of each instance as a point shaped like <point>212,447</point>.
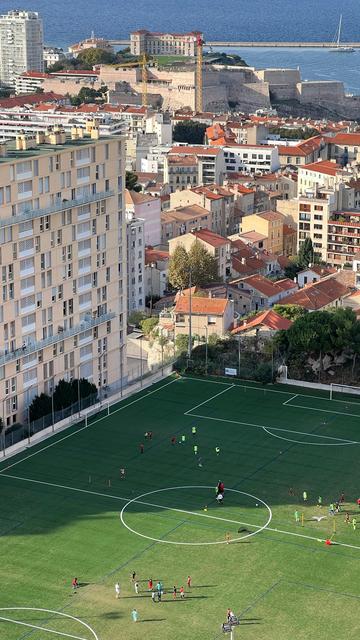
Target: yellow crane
<point>142,62</point>
<point>199,74</point>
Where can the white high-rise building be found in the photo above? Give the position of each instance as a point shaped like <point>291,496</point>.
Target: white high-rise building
<point>21,44</point>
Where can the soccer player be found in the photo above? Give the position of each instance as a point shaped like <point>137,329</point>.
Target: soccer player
<point>174,593</point>
<point>134,615</point>
<point>183,438</point>
<point>228,538</point>
<point>117,590</point>
<point>221,487</point>
<point>319,501</point>
<point>354,523</point>
<point>75,584</point>
<point>200,462</point>
<point>347,518</point>
<point>331,509</point>
<point>219,498</point>
<point>122,474</point>
<point>358,502</point>
<point>142,448</point>
<point>342,498</point>
<point>195,447</point>
<point>193,431</point>
<point>146,435</point>
<point>136,587</point>
<point>297,517</point>
<point>188,582</point>
<point>305,496</point>
<point>173,440</point>
<point>217,450</point>
<point>153,596</point>
<point>150,584</point>
<point>182,592</point>
<point>133,576</point>
<point>150,434</point>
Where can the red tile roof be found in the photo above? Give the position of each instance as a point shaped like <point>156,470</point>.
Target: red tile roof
<point>264,285</point>
<point>323,166</point>
<point>214,239</point>
<point>269,319</point>
<point>318,295</point>
<point>30,99</point>
<point>201,306</point>
<point>271,216</point>
<point>345,139</point>
<point>155,255</point>
<point>195,150</point>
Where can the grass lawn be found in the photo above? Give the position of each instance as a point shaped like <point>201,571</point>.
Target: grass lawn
<point>65,512</point>
<point>166,60</point>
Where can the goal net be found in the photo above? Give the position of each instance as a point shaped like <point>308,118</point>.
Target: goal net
<point>343,391</point>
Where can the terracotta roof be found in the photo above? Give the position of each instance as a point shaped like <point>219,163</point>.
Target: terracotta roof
<point>251,266</point>
<point>286,284</point>
<point>214,239</point>
<point>345,139</point>
<point>201,306</point>
<point>30,99</point>
<point>185,214</point>
<point>269,318</point>
<point>323,166</point>
<point>263,285</point>
<point>195,150</point>
<point>317,295</point>
<point>188,161</point>
<point>252,236</point>
<point>270,216</point>
<point>155,255</point>
<point>134,197</point>
<point>319,270</point>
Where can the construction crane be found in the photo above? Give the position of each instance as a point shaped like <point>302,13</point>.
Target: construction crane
<point>199,74</point>
<point>144,74</point>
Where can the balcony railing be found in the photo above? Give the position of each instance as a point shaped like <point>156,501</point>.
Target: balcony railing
<point>59,337</point>
<point>60,205</point>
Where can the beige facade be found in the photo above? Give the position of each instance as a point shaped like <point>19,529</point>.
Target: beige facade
<point>221,207</point>
<point>217,246</point>
<point>164,44</point>
<point>177,222</point>
<point>270,224</point>
<point>208,316</point>
<point>63,257</point>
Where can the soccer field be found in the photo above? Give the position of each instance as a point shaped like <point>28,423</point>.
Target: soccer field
<point>65,512</point>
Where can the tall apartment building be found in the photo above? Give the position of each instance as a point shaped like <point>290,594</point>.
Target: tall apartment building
<point>135,263</point>
<point>63,264</point>
<point>21,44</point>
<point>168,44</point>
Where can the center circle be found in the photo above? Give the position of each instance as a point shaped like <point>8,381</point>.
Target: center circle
<point>201,515</point>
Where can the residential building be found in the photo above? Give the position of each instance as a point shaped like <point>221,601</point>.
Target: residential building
<point>304,152</point>
<point>243,157</point>
<point>345,148</point>
<point>210,161</point>
<point>324,174</point>
<point>216,245</point>
<point>156,272</point>
<point>219,201</point>
<point>264,292</point>
<point>181,172</point>
<point>343,237</point>
<point>164,44</point>
<point>264,324</point>
<point>312,274</point>
<point>177,222</point>
<point>135,263</point>
<point>289,240</point>
<point>21,44</point>
<point>324,294</point>
<point>148,208</point>
<point>208,316</point>
<point>62,237</point>
<point>269,224</point>
<point>63,82</point>
<point>51,55</point>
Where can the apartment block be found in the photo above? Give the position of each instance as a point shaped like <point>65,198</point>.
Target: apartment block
<point>21,44</point>
<point>135,263</point>
<point>164,44</point>
<point>210,160</point>
<point>252,159</point>
<point>343,237</point>
<point>216,245</point>
<point>63,264</point>
<point>270,224</point>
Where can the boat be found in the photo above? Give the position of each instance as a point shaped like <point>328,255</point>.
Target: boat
<point>337,46</point>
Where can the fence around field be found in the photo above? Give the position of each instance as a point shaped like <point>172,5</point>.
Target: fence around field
<point>15,440</point>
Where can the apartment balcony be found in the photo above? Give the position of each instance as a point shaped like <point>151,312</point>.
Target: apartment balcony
<point>59,337</point>
<point>60,205</point>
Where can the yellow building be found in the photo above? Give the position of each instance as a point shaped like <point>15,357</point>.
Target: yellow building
<point>269,224</point>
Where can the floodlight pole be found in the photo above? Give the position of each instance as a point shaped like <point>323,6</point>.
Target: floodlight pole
<point>190,316</point>
<point>206,349</point>
<point>239,357</point>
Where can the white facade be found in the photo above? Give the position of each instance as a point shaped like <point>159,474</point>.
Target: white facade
<point>147,208</point>
<point>156,124</point>
<point>135,264</point>
<point>52,55</point>
<point>176,44</point>
<point>251,159</point>
<point>21,45</point>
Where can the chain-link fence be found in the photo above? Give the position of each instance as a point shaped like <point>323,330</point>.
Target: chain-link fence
<point>326,368</point>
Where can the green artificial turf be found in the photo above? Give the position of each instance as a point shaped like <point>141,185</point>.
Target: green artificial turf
<point>61,502</point>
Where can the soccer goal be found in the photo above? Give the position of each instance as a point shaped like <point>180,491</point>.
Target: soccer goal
<point>342,390</point>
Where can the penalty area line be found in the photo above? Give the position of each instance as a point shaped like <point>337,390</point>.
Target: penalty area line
<point>34,626</point>
<point>290,399</point>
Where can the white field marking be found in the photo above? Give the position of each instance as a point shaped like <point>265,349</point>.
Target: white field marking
<point>130,500</point>
<point>106,495</point>
<point>59,613</point>
<point>289,399</point>
<point>266,390</point>
<point>339,413</point>
<point>209,399</point>
<point>261,426</point>
<point>69,435</point>
<point>203,515</point>
<point>310,444</point>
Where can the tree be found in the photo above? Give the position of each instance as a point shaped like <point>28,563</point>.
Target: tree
<point>306,254</point>
<point>204,267</point>
<point>190,131</point>
<point>131,181</point>
<point>292,269</point>
<point>93,56</point>
<point>290,311</point>
<point>136,317</point>
<point>182,343</point>
<point>179,266</point>
<point>64,395</point>
<point>148,325</point>
<point>41,406</point>
<point>84,388</point>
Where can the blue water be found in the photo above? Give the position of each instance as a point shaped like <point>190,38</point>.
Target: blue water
<point>68,21</point>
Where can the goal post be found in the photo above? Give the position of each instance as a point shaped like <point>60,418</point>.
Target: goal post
<point>343,390</point>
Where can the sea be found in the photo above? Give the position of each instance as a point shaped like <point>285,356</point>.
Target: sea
<point>68,21</point>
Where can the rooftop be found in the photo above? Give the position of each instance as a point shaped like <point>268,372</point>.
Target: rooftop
<point>44,149</point>
<point>135,197</point>
<point>214,239</point>
<point>323,166</point>
<point>317,295</point>
<point>197,150</point>
<point>201,306</point>
<point>269,319</point>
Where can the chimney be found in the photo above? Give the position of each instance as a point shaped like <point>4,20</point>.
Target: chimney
<point>95,133</point>
<point>74,133</point>
<point>40,137</point>
<point>28,141</point>
<point>19,143</point>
